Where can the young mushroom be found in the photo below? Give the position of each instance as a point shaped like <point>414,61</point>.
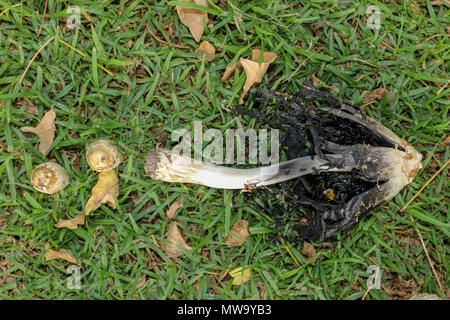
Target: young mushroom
<point>103,156</point>
<point>332,147</point>
<point>49,178</point>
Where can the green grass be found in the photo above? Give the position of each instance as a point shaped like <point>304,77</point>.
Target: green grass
<point>156,89</point>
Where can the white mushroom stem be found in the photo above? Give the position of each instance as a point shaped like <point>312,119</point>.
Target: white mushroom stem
<point>172,167</point>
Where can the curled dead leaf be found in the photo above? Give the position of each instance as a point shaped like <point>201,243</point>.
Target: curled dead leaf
<point>32,109</point>
<point>229,71</point>
<point>104,191</point>
<point>254,72</point>
<point>317,83</point>
<point>170,213</point>
<point>377,94</point>
<point>61,254</point>
<point>71,223</point>
<point>238,234</point>
<point>308,250</point>
<point>268,57</point>
<point>439,2</point>
<point>174,239</point>
<point>239,276</point>
<point>45,130</point>
<point>142,281</point>
<point>447,141</point>
<point>193,18</point>
<point>208,50</point>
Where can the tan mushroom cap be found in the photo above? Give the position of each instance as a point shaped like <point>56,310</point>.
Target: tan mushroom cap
<point>49,178</point>
<point>102,155</point>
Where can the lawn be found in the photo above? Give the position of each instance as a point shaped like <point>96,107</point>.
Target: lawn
<point>131,74</point>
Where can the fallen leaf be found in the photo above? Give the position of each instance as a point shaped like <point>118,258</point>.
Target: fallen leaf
<point>438,3</point>
<point>174,239</point>
<point>208,49</point>
<point>316,81</point>
<point>254,72</point>
<point>170,213</point>
<point>142,281</point>
<point>239,276</point>
<point>229,71</point>
<point>32,109</point>
<point>308,250</point>
<point>268,57</point>
<point>447,141</point>
<point>62,254</point>
<point>87,16</point>
<point>45,130</point>
<point>104,191</point>
<point>239,232</point>
<point>193,18</point>
<point>399,293</point>
<point>71,223</point>
<point>377,94</point>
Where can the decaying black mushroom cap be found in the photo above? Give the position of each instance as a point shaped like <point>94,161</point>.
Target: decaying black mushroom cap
<point>314,122</point>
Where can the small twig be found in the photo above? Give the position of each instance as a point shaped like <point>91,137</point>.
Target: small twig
<point>370,64</point>
<point>298,68</point>
<point>38,33</point>
<point>85,55</point>
<point>34,57</point>
<point>428,257</point>
<point>440,90</point>
<point>432,37</point>
<point>290,253</point>
<point>165,42</point>
<point>430,262</point>
<point>365,294</point>
<point>424,186</point>
<point>7,9</point>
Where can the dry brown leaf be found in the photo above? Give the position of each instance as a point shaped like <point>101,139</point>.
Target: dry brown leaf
<point>45,130</point>
<point>104,191</point>
<point>268,57</point>
<point>308,250</point>
<point>254,72</point>
<point>447,141</point>
<point>208,49</point>
<point>142,281</point>
<point>71,223</point>
<point>316,81</point>
<point>377,94</point>
<point>175,239</point>
<point>229,71</point>
<point>399,293</point>
<point>32,109</point>
<point>239,276</point>
<point>239,232</point>
<point>2,223</point>
<point>170,213</point>
<point>193,18</point>
<point>439,3</point>
<point>62,254</point>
